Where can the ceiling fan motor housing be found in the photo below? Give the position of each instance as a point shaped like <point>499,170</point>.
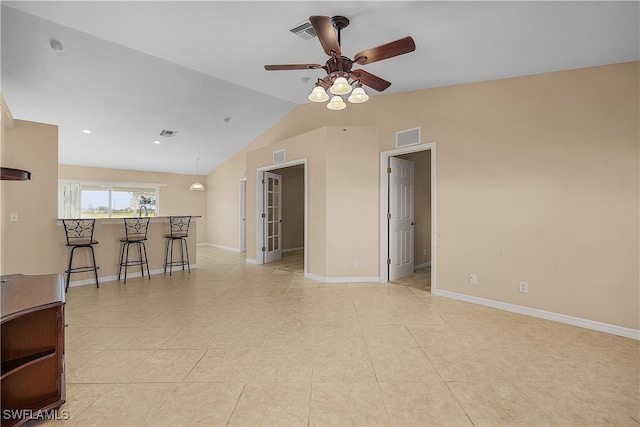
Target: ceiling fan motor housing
<point>339,22</point>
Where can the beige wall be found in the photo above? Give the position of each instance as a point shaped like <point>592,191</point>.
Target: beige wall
<point>537,179</point>
<point>30,245</point>
<point>296,148</point>
<point>175,198</point>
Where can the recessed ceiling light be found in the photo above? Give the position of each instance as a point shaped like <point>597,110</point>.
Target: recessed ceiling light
<point>156,142</point>
<point>86,131</point>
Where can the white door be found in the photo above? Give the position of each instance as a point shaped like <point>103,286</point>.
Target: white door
<point>401,217</point>
<point>242,215</point>
<point>272,216</point>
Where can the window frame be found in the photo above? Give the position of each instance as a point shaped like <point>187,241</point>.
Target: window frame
<point>109,185</point>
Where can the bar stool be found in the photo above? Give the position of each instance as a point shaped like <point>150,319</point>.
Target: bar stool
<point>178,231</point>
<point>135,234</point>
<point>79,233</point>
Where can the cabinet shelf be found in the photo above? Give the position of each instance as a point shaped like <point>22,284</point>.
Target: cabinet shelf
<point>32,375</point>
<point>11,366</point>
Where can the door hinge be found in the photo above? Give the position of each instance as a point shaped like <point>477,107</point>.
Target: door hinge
<point>388,261</point>
<point>264,215</point>
<point>263,181</point>
<point>264,249</point>
<point>389,215</point>
<point>389,170</point>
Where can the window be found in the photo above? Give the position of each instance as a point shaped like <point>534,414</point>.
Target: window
<point>106,200</point>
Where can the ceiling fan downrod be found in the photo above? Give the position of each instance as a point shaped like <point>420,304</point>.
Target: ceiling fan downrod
<point>339,23</point>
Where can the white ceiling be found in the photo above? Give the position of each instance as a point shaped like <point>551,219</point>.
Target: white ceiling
<point>131,69</point>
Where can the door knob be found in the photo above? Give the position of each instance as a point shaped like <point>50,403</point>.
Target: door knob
<point>413,223</point>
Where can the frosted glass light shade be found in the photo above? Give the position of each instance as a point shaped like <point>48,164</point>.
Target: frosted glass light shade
<point>196,186</point>
<point>318,94</point>
<point>340,87</point>
<point>358,96</point>
<point>336,103</point>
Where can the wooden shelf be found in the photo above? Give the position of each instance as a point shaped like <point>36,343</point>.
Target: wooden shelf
<point>11,366</point>
<point>10,174</point>
<point>32,328</point>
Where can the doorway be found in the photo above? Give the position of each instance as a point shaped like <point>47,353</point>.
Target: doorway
<point>281,214</point>
<point>242,216</point>
<point>407,239</point>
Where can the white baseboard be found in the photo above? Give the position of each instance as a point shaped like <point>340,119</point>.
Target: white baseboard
<point>226,248</point>
<point>293,249</point>
<point>324,279</point>
<point>547,315</point>
<point>423,265</point>
<point>251,261</point>
<point>114,278</point>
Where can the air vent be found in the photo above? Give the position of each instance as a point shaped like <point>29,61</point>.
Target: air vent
<point>408,137</point>
<point>278,156</point>
<point>168,133</point>
<point>304,30</point>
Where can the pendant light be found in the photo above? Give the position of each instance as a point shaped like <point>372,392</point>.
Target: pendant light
<point>196,186</point>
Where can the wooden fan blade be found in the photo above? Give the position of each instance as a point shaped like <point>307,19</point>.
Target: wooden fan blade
<point>389,50</point>
<point>323,27</point>
<point>371,80</point>
<point>291,67</point>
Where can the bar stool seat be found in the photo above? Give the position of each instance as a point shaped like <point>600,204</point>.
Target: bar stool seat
<point>79,234</point>
<point>178,232</point>
<point>135,234</point>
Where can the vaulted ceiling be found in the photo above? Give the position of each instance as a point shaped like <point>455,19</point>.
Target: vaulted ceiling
<point>129,70</point>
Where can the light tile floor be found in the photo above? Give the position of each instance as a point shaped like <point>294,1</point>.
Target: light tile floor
<point>235,344</point>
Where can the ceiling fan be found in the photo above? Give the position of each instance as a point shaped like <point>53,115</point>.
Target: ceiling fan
<point>340,76</point>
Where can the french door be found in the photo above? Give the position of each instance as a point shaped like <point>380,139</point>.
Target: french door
<point>272,216</point>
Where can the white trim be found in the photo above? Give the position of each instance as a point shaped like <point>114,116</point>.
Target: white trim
<point>547,315</point>
<point>242,214</point>
<point>259,232</point>
<point>114,278</point>
<point>116,183</point>
<point>423,265</point>
<point>227,248</point>
<point>251,261</point>
<point>324,279</point>
<point>259,220</point>
<point>292,249</point>
<point>384,190</point>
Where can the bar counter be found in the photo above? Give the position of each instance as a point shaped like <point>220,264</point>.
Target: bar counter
<point>109,231</point>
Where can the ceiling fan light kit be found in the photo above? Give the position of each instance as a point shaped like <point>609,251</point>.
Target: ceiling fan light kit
<point>340,78</point>
<point>336,103</point>
<point>358,96</point>
<point>340,86</point>
<point>318,94</point>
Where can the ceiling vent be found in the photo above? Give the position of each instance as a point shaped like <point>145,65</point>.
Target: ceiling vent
<point>408,137</point>
<point>278,156</point>
<point>304,30</point>
<point>168,133</point>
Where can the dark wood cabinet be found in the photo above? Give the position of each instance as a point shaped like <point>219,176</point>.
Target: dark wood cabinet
<point>32,358</point>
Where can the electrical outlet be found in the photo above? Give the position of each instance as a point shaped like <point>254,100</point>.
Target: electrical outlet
<point>355,263</point>
<point>425,252</point>
<point>523,287</point>
<point>473,279</point>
